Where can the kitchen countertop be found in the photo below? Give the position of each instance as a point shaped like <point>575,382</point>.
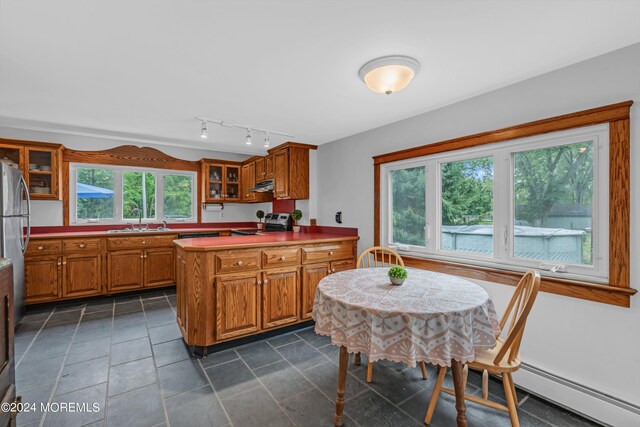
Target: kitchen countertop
<point>63,234</point>
<point>259,240</point>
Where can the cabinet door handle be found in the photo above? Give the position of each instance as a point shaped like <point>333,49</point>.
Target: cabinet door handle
<point>282,258</point>
<point>64,262</point>
<point>81,245</point>
<point>266,281</point>
<point>240,262</point>
<point>259,282</point>
<point>333,270</point>
<point>144,242</point>
<point>40,248</point>
<point>59,263</point>
<point>141,256</point>
<point>145,256</point>
<point>330,252</point>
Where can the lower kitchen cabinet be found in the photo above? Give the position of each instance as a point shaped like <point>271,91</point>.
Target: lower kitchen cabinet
<point>159,267</point>
<point>42,279</point>
<point>237,305</point>
<point>280,302</point>
<point>126,270</point>
<point>313,274</point>
<point>81,275</point>
<point>67,268</point>
<point>228,293</point>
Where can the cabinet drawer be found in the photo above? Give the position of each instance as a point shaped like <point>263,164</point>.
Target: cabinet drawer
<point>44,247</point>
<point>237,261</point>
<point>139,242</point>
<point>81,245</point>
<point>279,257</point>
<point>328,252</point>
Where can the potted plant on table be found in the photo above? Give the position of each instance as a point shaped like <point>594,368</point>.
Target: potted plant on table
<point>397,275</point>
<point>260,215</point>
<point>297,216</point>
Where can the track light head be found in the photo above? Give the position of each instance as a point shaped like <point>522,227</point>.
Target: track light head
<point>267,141</point>
<point>247,139</point>
<point>203,130</point>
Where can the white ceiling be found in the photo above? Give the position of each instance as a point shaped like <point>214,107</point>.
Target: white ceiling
<point>143,69</point>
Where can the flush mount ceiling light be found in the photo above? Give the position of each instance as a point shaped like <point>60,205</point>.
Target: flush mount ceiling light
<point>203,130</point>
<point>250,129</point>
<point>389,74</point>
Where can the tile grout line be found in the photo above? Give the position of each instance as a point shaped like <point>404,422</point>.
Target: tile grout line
<point>155,366</point>
<point>215,392</point>
<point>64,360</point>
<point>106,396</point>
<point>307,378</point>
<point>266,389</point>
<point>33,339</point>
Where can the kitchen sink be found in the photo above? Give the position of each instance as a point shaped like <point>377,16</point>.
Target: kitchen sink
<point>129,231</point>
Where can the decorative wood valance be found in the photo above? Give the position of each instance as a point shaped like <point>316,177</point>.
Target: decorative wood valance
<point>130,155</point>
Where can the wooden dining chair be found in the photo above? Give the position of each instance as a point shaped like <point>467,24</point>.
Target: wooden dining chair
<point>502,360</point>
<point>381,256</point>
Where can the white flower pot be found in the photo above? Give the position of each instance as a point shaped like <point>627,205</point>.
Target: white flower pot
<point>296,228</point>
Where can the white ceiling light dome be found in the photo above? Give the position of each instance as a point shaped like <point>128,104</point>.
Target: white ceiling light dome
<point>389,74</point>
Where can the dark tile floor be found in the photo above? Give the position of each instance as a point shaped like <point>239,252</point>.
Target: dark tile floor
<point>127,356</point>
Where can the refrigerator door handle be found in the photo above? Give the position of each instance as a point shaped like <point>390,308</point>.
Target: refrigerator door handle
<point>25,240</point>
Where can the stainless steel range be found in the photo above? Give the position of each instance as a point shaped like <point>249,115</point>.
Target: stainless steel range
<point>272,222</point>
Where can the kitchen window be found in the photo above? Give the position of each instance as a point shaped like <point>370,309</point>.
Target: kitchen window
<point>116,195</point>
<point>538,202</point>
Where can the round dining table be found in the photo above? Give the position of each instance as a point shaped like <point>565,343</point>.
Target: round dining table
<point>433,317</point>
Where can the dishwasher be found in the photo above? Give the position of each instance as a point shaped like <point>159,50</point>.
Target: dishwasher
<point>196,234</point>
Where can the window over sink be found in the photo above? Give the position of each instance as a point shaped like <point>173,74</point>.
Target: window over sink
<point>117,194</point>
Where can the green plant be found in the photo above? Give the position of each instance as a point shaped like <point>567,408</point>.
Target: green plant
<point>296,215</point>
<point>398,272</point>
<point>260,215</point>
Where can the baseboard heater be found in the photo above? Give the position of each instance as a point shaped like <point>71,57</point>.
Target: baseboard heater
<point>622,404</point>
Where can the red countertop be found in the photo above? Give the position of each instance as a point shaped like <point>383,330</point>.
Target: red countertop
<point>259,240</point>
<point>102,233</point>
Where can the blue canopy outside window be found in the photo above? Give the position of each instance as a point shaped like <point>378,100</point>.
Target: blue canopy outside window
<point>86,191</point>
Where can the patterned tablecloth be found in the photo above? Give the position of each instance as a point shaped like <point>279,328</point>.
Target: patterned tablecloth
<point>432,317</point>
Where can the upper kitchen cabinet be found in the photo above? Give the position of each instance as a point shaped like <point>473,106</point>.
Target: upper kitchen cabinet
<point>251,169</point>
<point>290,166</point>
<point>221,181</point>
<point>40,164</point>
<point>264,168</point>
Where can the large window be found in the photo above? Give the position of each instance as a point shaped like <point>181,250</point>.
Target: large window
<point>537,202</point>
<point>113,195</point>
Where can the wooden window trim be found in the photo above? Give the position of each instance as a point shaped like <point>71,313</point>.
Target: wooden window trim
<point>618,291</point>
<point>128,155</point>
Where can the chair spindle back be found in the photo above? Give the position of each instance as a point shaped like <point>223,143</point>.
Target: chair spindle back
<point>379,256</point>
<point>516,315</point>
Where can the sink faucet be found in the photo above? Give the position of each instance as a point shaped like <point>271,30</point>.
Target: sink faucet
<point>139,212</point>
<point>164,224</point>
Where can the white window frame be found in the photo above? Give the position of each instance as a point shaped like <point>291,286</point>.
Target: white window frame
<point>118,194</point>
<point>503,204</point>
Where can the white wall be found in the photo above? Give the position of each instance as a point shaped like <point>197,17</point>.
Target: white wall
<point>49,213</point>
<point>592,344</point>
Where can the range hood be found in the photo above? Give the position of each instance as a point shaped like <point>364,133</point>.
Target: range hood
<point>263,187</point>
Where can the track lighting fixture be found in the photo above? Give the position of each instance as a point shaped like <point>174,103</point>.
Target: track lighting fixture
<point>203,130</point>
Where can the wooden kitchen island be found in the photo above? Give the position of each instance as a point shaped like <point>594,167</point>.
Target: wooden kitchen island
<point>230,287</point>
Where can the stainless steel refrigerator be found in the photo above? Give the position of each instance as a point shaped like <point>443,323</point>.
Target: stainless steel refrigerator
<point>14,218</point>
